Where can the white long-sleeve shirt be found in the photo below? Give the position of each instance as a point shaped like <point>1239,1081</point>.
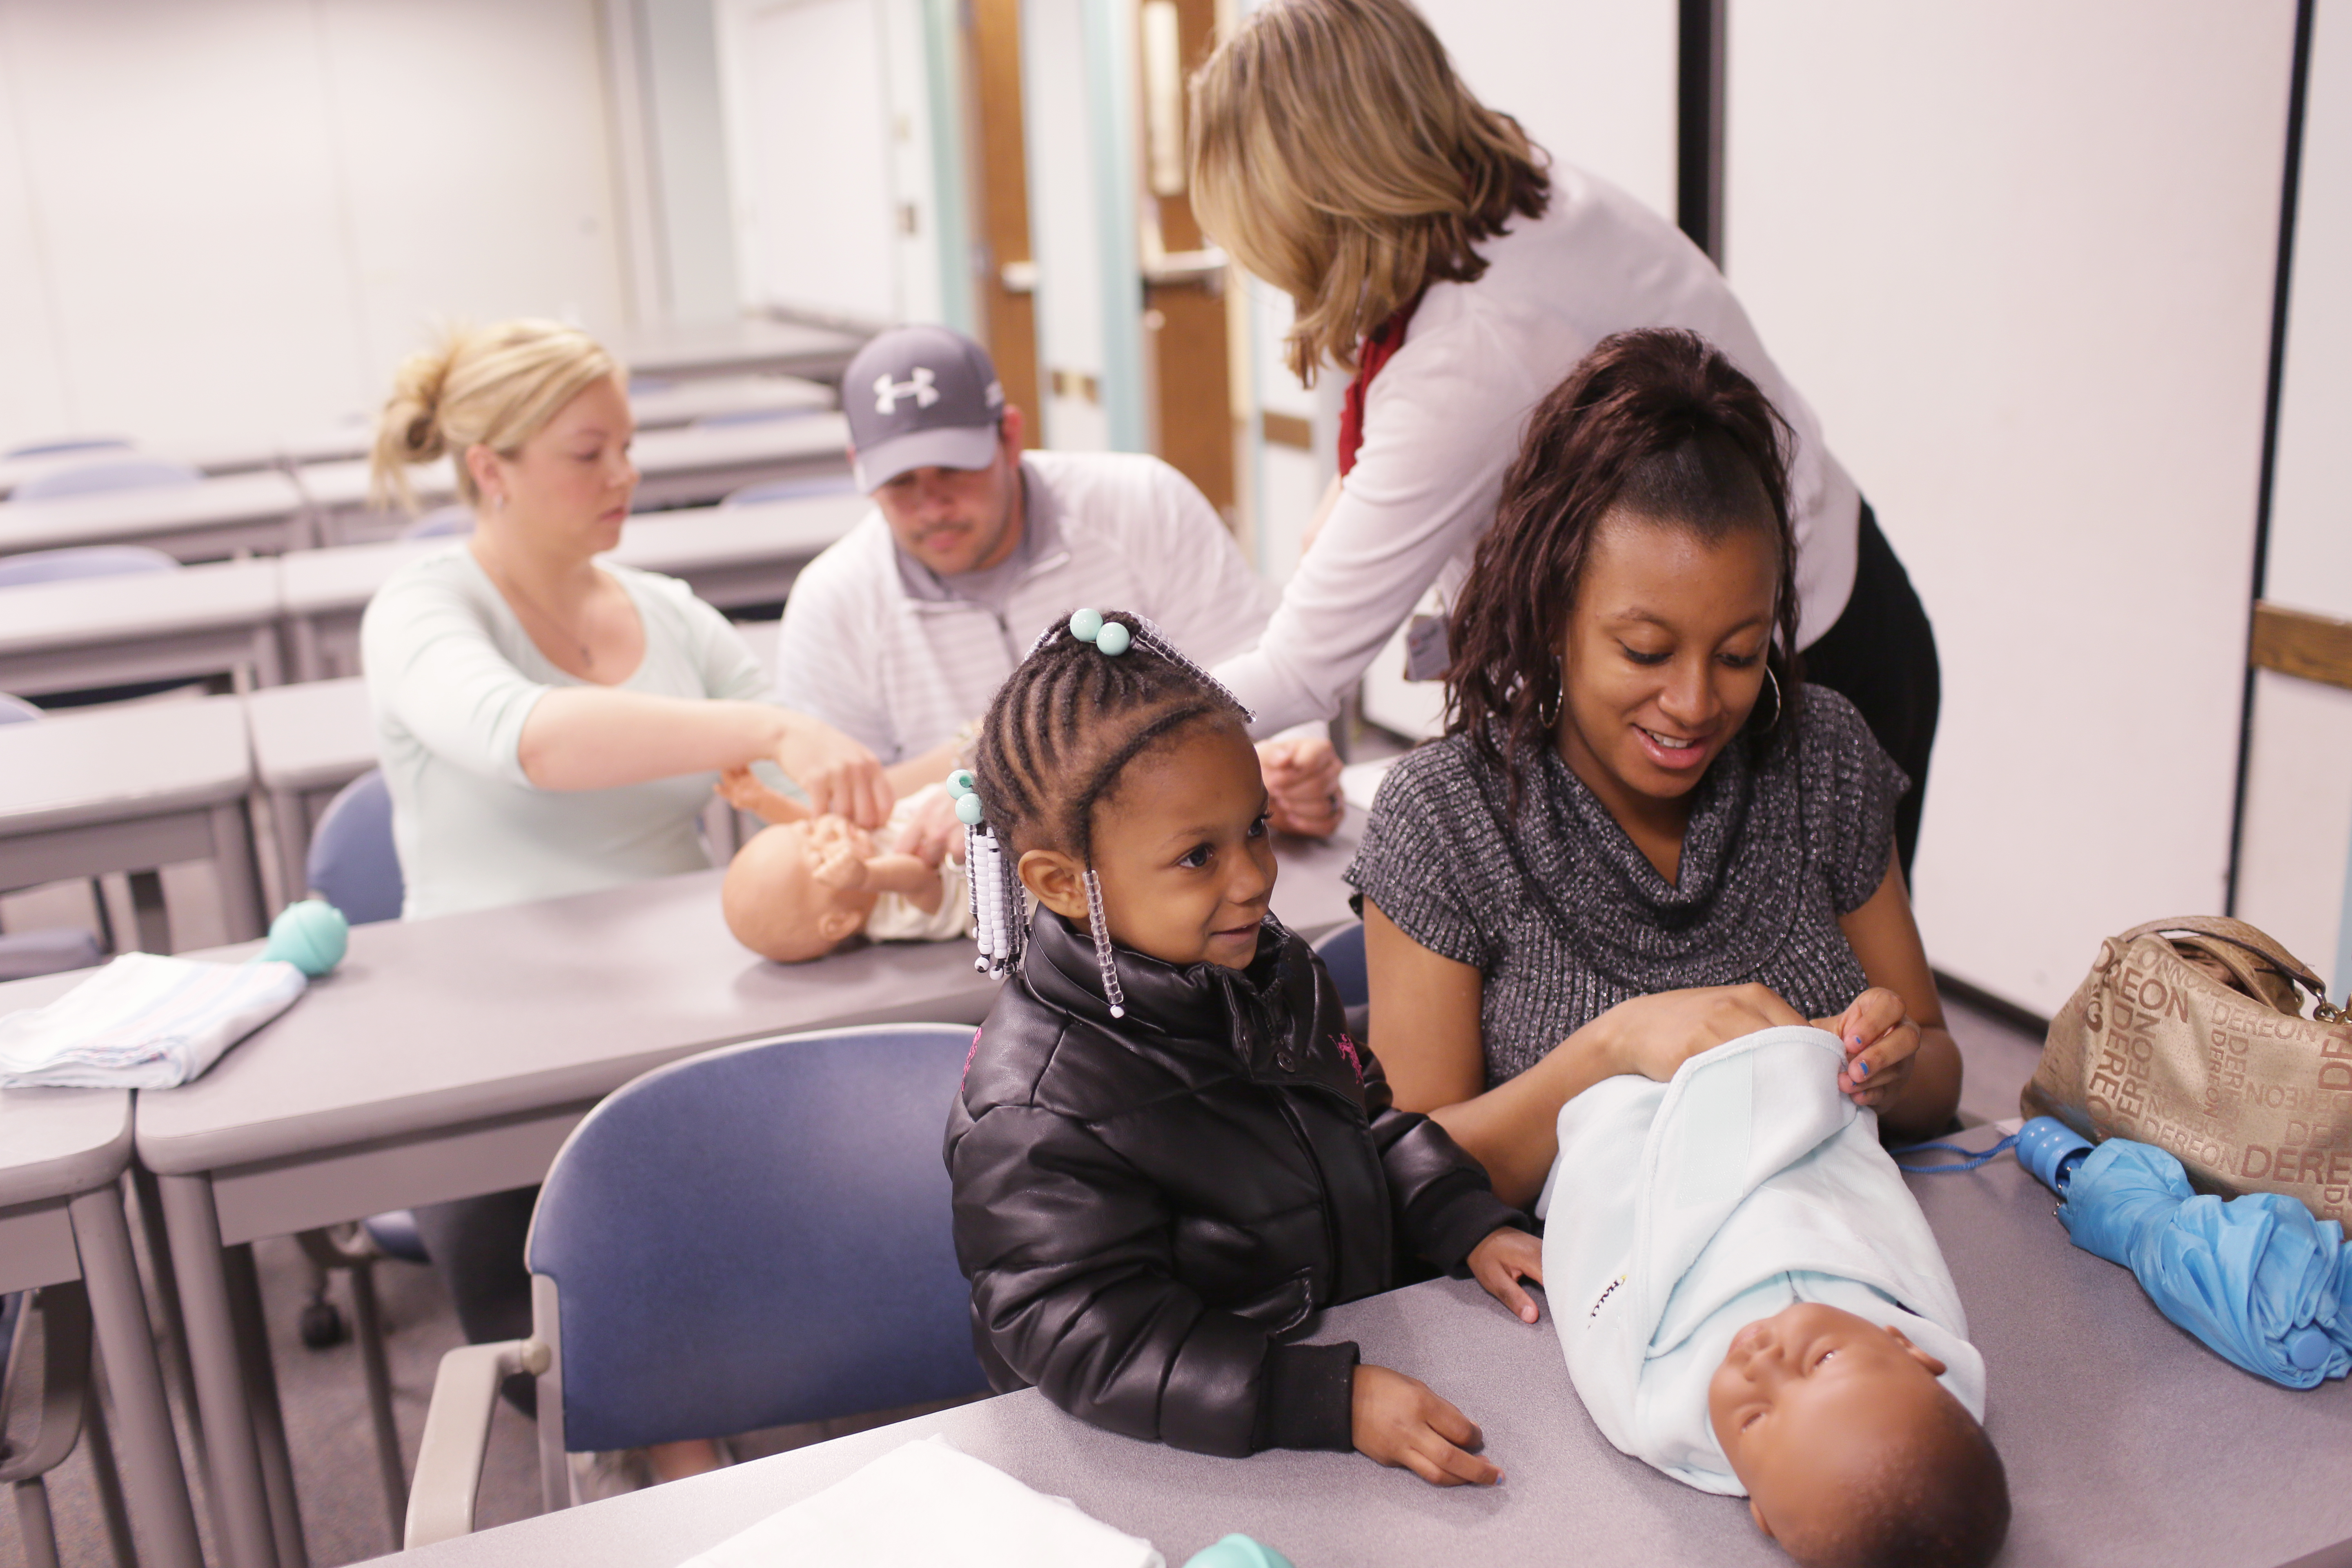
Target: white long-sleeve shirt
<point>903,673</point>
<point>1444,417</point>
<point>452,677</point>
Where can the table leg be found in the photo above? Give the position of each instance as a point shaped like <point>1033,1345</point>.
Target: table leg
<point>268,1415</point>
<point>152,921</point>
<point>292,825</point>
<point>240,1505</point>
<point>99,1441</point>
<point>156,1487</point>
<point>233,867</point>
<point>177,1370</point>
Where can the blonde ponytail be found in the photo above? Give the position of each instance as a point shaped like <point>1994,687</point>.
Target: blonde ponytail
<point>489,386</point>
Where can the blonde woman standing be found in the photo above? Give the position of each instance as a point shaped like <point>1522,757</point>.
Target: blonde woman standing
<point>549,723</point>
<point>1458,273</point>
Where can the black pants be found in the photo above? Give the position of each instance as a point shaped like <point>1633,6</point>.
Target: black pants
<point>1881,654</point>
<point>475,1245</point>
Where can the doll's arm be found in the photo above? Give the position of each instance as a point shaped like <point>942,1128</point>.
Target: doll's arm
<point>911,878</point>
<point>741,790</point>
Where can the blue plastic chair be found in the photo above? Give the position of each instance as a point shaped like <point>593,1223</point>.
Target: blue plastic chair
<point>83,561</point>
<point>751,1237</point>
<point>66,444</point>
<point>124,473</point>
<point>453,521</point>
<point>803,488</point>
<point>16,711</point>
<point>1342,952</point>
<point>353,863</point>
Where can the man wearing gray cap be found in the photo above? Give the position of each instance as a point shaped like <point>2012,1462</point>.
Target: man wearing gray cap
<point>901,633</point>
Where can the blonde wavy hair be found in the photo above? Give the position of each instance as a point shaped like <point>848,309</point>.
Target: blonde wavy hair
<point>1336,155</point>
<point>489,386</point>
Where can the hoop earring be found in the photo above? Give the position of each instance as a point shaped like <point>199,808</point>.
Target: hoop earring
<point>1776,700</point>
<point>1549,719</point>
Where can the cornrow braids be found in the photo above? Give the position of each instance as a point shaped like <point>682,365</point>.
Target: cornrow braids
<point>1092,696</point>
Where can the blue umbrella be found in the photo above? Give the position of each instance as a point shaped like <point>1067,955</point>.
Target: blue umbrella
<point>2256,1278</point>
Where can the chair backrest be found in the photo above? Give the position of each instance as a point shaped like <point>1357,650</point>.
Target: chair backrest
<point>16,711</point>
<point>52,949</point>
<point>124,473</point>
<point>442,523</point>
<point>801,489</point>
<point>1342,952</point>
<point>353,863</point>
<point>66,444</point>
<point>83,561</point>
<point>758,1236</point>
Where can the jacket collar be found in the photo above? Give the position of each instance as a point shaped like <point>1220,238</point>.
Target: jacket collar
<point>1275,1020</point>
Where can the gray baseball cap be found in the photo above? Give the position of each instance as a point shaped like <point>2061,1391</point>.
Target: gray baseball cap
<point>919,397</point>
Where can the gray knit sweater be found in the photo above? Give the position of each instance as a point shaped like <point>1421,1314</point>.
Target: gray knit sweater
<point>1566,918</point>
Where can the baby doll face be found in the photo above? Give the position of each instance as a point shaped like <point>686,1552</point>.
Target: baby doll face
<point>1181,848</point>
<point>785,896</point>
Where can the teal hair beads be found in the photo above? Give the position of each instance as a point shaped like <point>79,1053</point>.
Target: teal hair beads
<point>1237,1551</point>
<point>312,935</point>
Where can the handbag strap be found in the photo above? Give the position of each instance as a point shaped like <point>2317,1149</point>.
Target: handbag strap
<point>2238,933</point>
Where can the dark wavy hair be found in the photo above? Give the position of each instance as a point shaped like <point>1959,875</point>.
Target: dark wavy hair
<point>1657,421</point>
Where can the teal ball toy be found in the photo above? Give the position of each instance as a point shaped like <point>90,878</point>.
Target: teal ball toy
<point>1238,1551</point>
<point>312,936</point>
<point>1112,639</point>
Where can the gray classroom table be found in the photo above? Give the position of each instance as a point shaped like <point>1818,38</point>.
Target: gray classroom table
<point>189,625</point>
<point>62,1155</point>
<point>662,405</point>
<point>129,788</point>
<point>2126,1442</point>
<point>308,740</point>
<point>209,519</point>
<point>699,463</point>
<point>741,347</point>
<point>450,1057</point>
<point>730,556</point>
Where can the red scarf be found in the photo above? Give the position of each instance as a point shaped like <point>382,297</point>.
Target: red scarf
<point>1386,338</point>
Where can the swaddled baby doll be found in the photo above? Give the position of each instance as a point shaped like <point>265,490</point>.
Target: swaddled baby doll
<point>805,885</point>
<point>1749,1299</point>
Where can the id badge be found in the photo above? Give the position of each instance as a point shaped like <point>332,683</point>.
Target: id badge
<point>1425,656</point>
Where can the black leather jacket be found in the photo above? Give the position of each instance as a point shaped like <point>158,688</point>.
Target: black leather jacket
<point>1148,1207</point>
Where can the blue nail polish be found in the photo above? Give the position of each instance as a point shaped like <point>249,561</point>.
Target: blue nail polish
<point>1861,1068</point>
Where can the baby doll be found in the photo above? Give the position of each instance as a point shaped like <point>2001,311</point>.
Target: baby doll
<point>1749,1299</point>
<point>800,888</point>
<point>1168,1154</point>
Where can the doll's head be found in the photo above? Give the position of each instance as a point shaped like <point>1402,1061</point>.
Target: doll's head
<point>1853,1454</point>
<point>1111,765</point>
<point>785,897</point>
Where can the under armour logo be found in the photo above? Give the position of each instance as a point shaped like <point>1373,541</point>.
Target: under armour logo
<point>887,392</point>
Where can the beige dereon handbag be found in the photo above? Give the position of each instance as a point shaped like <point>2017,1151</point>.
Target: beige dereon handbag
<point>2188,1034</point>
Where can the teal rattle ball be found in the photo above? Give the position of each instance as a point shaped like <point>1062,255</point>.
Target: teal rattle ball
<point>968,810</point>
<point>312,936</point>
<point>1087,625</point>
<point>1112,639</point>
<point>1238,1551</point>
<point>960,782</point>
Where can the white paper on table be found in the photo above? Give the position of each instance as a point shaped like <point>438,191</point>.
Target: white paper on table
<point>143,1022</point>
<point>1361,780</point>
<point>926,1504</point>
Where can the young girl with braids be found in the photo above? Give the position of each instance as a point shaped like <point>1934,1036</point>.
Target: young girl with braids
<point>1167,1152</point>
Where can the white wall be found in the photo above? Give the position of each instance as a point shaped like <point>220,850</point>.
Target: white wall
<point>227,221</point>
<point>2292,875</point>
<point>2019,256</point>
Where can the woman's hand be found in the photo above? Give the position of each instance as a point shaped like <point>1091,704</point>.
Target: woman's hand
<point>1302,786</point>
<point>1654,1036</point>
<point>1882,1042</point>
<point>1507,1256</point>
<point>840,777</point>
<point>1399,1422</point>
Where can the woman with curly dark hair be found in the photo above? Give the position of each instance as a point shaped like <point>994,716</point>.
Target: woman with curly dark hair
<point>1642,834</point>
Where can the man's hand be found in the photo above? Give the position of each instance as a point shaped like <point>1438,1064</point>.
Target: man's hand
<point>1507,1256</point>
<point>1399,1422</point>
<point>1881,1041</point>
<point>1654,1036</point>
<point>1302,783</point>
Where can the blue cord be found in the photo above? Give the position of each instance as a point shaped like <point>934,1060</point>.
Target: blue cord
<point>1970,1158</point>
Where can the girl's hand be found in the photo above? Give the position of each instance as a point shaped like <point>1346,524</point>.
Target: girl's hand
<point>1507,1256</point>
<point>1881,1041</point>
<point>839,777</point>
<point>1399,1422</point>
<point>1654,1036</point>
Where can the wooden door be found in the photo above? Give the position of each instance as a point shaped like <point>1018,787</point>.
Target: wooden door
<point>1000,179</point>
<point>1184,300</point>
